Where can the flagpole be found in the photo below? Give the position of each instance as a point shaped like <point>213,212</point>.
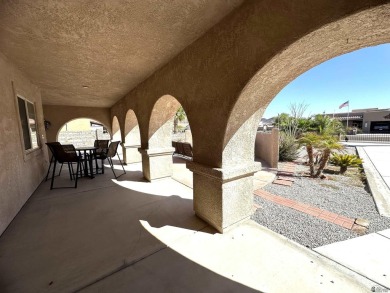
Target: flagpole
<point>347,116</point>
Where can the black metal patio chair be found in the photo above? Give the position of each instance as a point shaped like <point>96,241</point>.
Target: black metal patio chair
<point>187,150</point>
<point>102,148</point>
<point>111,152</point>
<point>67,148</point>
<point>61,156</point>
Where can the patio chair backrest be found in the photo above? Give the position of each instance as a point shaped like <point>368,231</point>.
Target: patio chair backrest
<point>69,148</point>
<point>60,154</point>
<point>112,149</point>
<point>180,149</point>
<point>174,144</point>
<point>187,150</point>
<point>101,145</point>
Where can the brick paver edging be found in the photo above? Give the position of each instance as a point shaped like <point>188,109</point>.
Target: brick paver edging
<point>308,209</point>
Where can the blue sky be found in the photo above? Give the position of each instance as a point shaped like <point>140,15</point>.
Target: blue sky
<point>361,77</point>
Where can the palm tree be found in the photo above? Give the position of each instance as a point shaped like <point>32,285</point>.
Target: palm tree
<point>326,125</point>
<point>327,144</point>
<point>310,140</point>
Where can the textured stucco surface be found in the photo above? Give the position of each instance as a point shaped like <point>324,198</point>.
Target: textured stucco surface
<point>161,122</point>
<point>132,139</point>
<point>224,79</point>
<point>267,147</point>
<point>20,174</point>
<point>373,116</point>
<point>109,46</point>
<point>59,115</point>
<point>157,163</point>
<point>232,73</point>
<point>132,136</point>
<point>223,197</point>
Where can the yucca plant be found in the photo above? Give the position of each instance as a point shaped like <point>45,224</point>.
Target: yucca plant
<point>345,160</point>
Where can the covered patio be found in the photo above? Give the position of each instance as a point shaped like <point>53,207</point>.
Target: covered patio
<point>129,235</point>
<point>129,65</point>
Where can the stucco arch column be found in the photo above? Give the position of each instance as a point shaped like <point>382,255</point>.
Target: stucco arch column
<point>157,153</point>
<point>117,134</point>
<point>235,69</point>
<point>223,187</point>
<point>223,196</point>
<point>132,141</point>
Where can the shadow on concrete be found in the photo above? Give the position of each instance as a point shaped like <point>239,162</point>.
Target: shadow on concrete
<point>166,271</point>
<point>67,239</point>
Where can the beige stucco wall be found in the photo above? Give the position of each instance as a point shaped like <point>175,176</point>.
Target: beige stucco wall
<point>59,115</point>
<point>77,125</point>
<point>20,174</point>
<point>373,116</point>
<point>224,80</point>
<point>227,78</point>
<point>267,147</point>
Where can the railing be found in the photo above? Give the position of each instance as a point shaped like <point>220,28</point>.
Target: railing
<point>367,137</point>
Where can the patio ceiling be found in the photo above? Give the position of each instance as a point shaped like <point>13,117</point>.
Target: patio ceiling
<point>91,53</point>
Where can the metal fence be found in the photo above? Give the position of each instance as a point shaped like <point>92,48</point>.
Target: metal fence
<point>367,137</point>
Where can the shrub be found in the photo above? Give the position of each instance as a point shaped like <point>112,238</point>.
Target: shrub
<point>288,148</point>
<point>345,160</point>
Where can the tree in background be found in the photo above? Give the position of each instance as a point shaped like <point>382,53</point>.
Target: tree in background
<point>291,126</point>
<point>326,125</point>
<point>317,132</point>
<point>179,116</point>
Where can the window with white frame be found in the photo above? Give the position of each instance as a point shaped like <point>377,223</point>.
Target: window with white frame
<point>28,123</point>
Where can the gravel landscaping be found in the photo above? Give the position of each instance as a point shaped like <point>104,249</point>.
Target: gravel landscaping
<point>343,195</point>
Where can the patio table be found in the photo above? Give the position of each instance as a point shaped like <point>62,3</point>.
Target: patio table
<point>89,153</point>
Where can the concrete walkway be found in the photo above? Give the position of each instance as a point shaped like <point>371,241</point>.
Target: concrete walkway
<point>128,235</point>
<point>367,255</point>
<point>376,163</point>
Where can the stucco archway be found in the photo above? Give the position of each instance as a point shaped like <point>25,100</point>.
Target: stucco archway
<point>232,202</point>
<point>82,133</point>
<point>132,139</point>
<point>116,135</point>
<point>157,158</point>
<point>116,130</point>
<point>363,29</point>
<point>59,115</point>
<point>161,122</point>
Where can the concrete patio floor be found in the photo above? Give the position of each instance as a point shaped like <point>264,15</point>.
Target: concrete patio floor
<point>128,235</point>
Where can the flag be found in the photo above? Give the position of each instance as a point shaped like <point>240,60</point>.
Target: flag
<point>344,105</point>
